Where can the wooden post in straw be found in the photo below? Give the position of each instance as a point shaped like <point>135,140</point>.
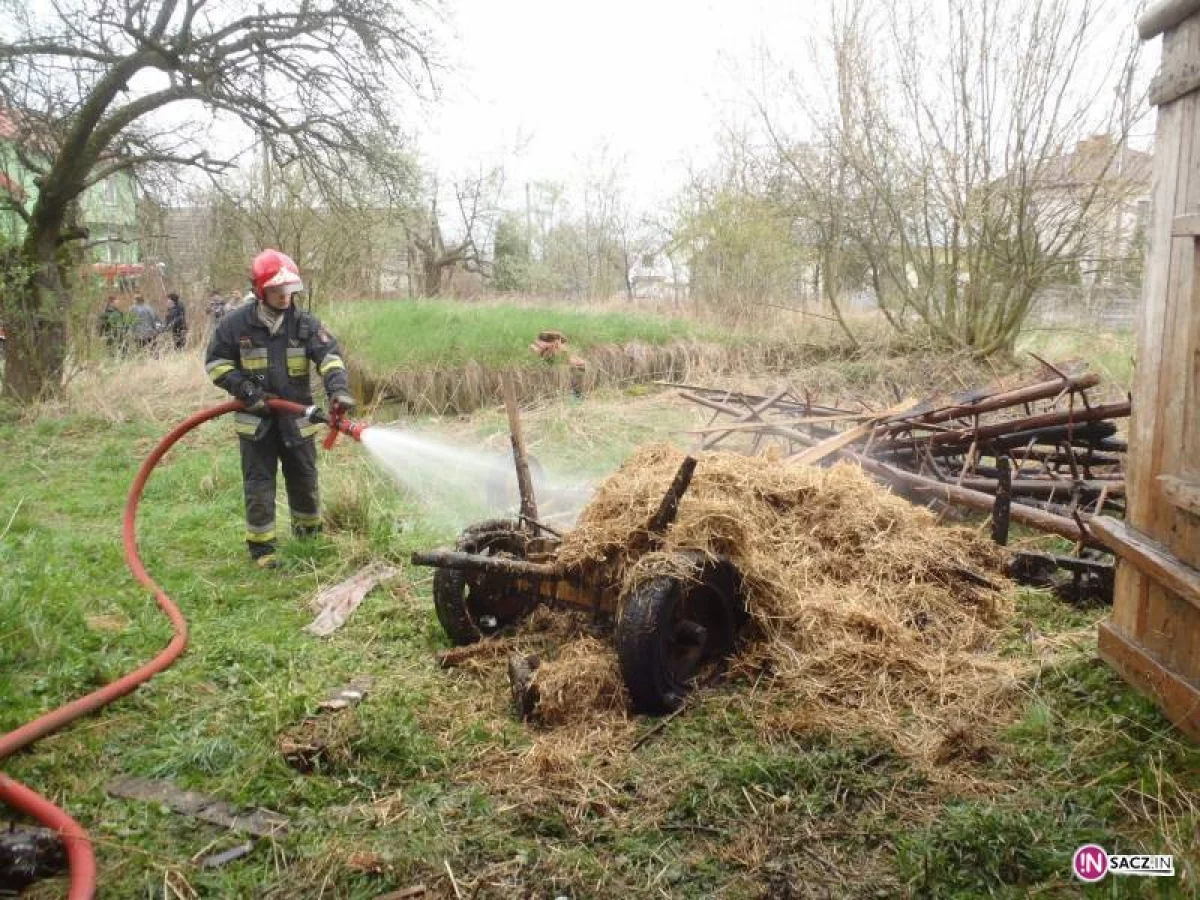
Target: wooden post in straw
<point>1002,511</point>
<point>529,512</point>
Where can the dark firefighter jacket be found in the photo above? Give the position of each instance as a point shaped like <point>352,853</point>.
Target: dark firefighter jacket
<point>243,350</point>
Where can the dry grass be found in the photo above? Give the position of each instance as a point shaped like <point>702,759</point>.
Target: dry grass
<point>864,619</point>
<point>454,389</point>
<point>156,388</point>
<point>581,683</point>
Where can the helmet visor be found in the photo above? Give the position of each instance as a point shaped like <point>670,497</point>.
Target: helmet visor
<point>287,280</point>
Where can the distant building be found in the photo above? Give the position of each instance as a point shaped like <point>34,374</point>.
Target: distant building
<point>1114,182</point>
<point>656,276</point>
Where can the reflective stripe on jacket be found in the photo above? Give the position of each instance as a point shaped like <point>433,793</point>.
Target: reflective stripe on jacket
<point>243,349</point>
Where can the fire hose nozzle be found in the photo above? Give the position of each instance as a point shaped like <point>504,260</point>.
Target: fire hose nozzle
<point>340,425</point>
<point>352,429</point>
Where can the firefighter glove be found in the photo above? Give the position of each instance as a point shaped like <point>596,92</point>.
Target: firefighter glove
<point>254,399</point>
<point>342,403</point>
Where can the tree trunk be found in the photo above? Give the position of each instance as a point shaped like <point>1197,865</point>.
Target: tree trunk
<point>34,317</point>
<point>433,277</point>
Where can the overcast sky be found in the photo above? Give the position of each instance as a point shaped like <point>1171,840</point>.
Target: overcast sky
<point>652,79</point>
<point>542,84</point>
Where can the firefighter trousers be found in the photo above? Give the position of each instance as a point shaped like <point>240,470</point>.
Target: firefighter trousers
<point>260,461</point>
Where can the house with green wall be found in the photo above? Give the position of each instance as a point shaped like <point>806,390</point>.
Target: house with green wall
<point>109,209</point>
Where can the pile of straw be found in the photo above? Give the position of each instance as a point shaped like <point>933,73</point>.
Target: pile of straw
<point>861,615</point>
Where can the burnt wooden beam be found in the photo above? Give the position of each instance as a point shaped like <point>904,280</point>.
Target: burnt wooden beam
<point>1002,508</point>
<point>529,510</point>
<point>812,409</point>
<point>950,493</point>
<point>1045,487</point>
<point>1063,424</point>
<point>668,507</point>
<point>990,402</point>
<point>496,565</point>
<point>751,415</point>
<point>29,854</point>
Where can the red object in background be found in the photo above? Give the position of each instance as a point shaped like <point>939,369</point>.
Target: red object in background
<point>112,271</point>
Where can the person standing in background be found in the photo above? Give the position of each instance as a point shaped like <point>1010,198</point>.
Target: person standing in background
<point>176,321</point>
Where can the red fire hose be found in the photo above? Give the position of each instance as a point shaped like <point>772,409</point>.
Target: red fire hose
<point>80,859</point>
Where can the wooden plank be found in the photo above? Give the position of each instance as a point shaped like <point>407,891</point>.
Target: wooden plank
<point>1170,631</point>
<point>1127,586</point>
<point>1165,205</point>
<point>1183,492</point>
<point>1149,556</point>
<point>1173,527</point>
<point>1178,699</point>
<point>258,822</point>
<point>829,446</point>
<point>1187,225</point>
<point>1181,483</point>
<point>1165,15</point>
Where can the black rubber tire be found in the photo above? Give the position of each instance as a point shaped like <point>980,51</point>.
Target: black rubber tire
<point>463,600</point>
<point>658,637</point>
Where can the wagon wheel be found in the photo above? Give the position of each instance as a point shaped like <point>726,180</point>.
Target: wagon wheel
<point>474,605</point>
<point>672,626</point>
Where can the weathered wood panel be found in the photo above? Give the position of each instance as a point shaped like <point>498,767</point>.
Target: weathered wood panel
<point>1180,700</point>
<point>1153,638</point>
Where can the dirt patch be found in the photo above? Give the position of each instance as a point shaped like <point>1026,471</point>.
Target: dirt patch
<point>321,744</point>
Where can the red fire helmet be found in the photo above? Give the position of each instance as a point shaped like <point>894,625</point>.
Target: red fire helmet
<point>271,268</point>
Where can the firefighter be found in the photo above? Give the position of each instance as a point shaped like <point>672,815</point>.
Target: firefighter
<point>265,349</point>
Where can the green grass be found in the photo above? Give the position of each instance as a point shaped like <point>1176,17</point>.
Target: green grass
<point>415,333</point>
<point>1110,353</point>
<point>715,804</point>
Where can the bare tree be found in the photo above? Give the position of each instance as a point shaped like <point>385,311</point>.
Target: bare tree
<point>474,219</point>
<point>947,164</point>
<point>90,86</point>
<point>746,237</point>
<point>344,228</point>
